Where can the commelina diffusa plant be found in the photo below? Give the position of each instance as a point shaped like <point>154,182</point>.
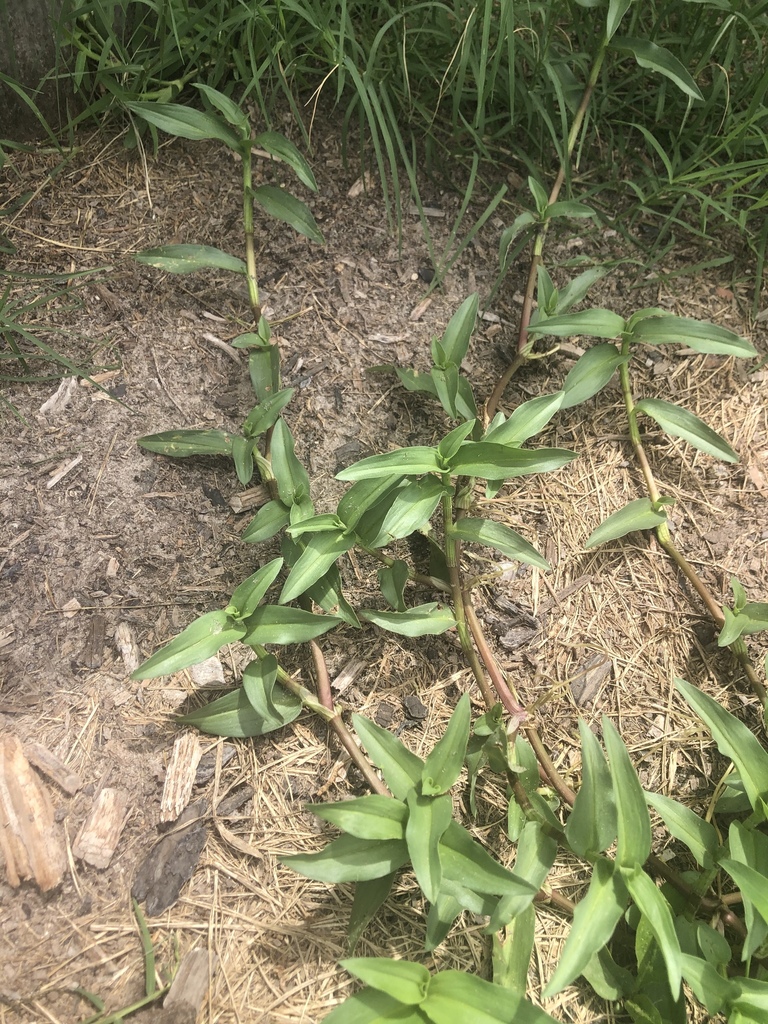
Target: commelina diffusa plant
<point>707,926</point>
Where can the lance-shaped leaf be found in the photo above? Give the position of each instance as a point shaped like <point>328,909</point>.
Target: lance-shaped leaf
<point>616,11</point>
<point>512,950</point>
<point>709,986</point>
<point>684,824</point>
<point>699,335</point>
<point>186,259</point>
<point>443,764</point>
<point>367,817</point>
<point>681,423</point>
<point>498,461</point>
<point>453,441</point>
<point>269,520</point>
<point>455,997</point>
<point>428,818</point>
<point>278,146</point>
<point>272,624</point>
<point>496,535</point>
<point>591,826</point>
<point>369,1006</point>
<point>536,852</point>
<point>405,981</point>
<point>326,522</point>
<point>633,841</point>
<point>655,909</point>
<point>182,443</point>
<point>658,58</point>
<point>539,194</point>
<point>526,421</point>
<point>594,921</point>
<point>750,846</point>
<point>322,550</point>
<point>423,620</point>
<point>413,507</point>
<point>599,323</point>
<point>392,580</point>
<point>403,462</point>
<point>455,340</point>
<point>186,122</point>
<point>233,715</point>
<point>274,708</point>
<point>242,454</point>
<point>349,859</point>
<point>753,884</point>
<point>752,618</point>
<point>287,208</point>
<point>637,515</point>
<point>246,598</point>
<point>442,913</point>
<point>400,767</point>
<point>733,740</point>
<point>413,380</point>
<point>364,495</point>
<point>264,415</point>
<point>466,862</point>
<point>569,208</point>
<point>577,288</point>
<point>292,478</point>
<point>591,373</point>
<point>369,897</point>
<point>199,641</point>
<point>225,106</point>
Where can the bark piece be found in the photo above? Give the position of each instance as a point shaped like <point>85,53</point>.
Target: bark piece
<point>50,765</point>
<point>592,674</point>
<point>30,841</point>
<point>97,839</point>
<point>172,861</point>
<point>180,776</point>
<point>191,983</point>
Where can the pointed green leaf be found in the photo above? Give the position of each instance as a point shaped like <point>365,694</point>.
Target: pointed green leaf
<point>272,624</point>
<point>348,859</point>
<point>233,715</point>
<point>458,333</point>
<point>265,414</point>
<point>599,323</point>
<point>443,764</point>
<point>591,373</point>
<point>540,197</point>
<point>521,222</point>
<point>292,478</point>
<point>372,1007</point>
<point>753,618</point>
<point>498,461</point>
<point>277,145</point>
<point>320,553</point>
<point>285,207</point>
<point>684,824</point>
<point>199,641</point>
<point>365,495</point>
<point>458,998</point>
<point>327,522</point>
<point>591,826</point>
<point>428,818</point>
<point>633,842</point>
<point>536,852</point>
<point>733,740</point>
<point>369,898</point>
<point>186,259</point>
<point>246,598</point>
<point>403,462</point>
<point>594,921</point>
<point>187,123</point>
<point>413,380</point>
<point>569,208</point>
<point>496,535</point>
<point>610,981</point>
<point>446,381</point>
<point>616,11</point>
<point>452,442</point>
<point>400,767</point>
<point>269,520</point>
<point>225,106</point>
<point>182,443</point>
<point>413,507</point>
<point>699,335</point>
<point>658,58</point>
<point>637,515</point>
<point>709,986</point>
<point>367,817</point>
<point>750,846</point>
<point>526,421</point>
<point>242,454</point>
<point>442,913</point>
<point>680,423</point>
<point>512,950</point>
<point>405,981</point>
<point>576,290</point>
<point>654,907</point>
<point>466,862</point>
<point>273,708</point>
<point>423,620</point>
<point>753,884</point>
<point>392,580</point>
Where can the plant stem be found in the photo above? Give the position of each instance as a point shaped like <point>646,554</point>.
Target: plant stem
<point>250,251</point>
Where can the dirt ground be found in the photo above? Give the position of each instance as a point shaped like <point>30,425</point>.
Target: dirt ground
<point>144,544</point>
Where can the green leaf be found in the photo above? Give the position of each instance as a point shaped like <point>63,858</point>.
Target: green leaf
<point>369,897</point>
<point>265,414</point>
<point>753,884</point>
<point>274,708</point>
<point>199,641</point>
<point>599,323</point>
<point>458,333</point>
<point>684,824</point>
<point>594,921</point>
<point>372,1007</point>
<point>225,106</point>
<point>591,373</point>
<point>699,335</point>
<point>277,145</point>
<point>536,852</point>
<point>576,290</point>
<point>633,842</point>
<point>709,986</point>
<point>428,818</point>
<point>658,58</point>
<point>458,998</point>
<point>733,740</point>
<point>413,507</point>
<point>405,981</point>
<point>269,520</point>
<point>186,259</point>
<point>320,553</point>
<point>527,419</point>
<point>367,817</point>
<point>680,423</point>
<point>400,767</point>
<point>753,618</point>
<point>512,950</point>
<point>348,859</point>
<point>521,222</point>
<point>185,122</point>
<point>423,620</point>
<point>292,478</point>
<point>569,208</point>
<point>326,522</point>
<point>750,846</point>
<point>392,580</point>
<point>496,535</point>
<point>452,441</point>
<point>413,380</point>
<point>498,461</point>
<point>591,826</point>
<point>365,495</point>
<point>246,598</point>
<point>444,762</point>
<point>616,11</point>
<point>272,624</point>
<point>466,862</point>
<point>402,462</point>
<point>285,207</point>
<point>606,977</point>
<point>182,443</point>
<point>655,909</point>
<point>540,197</point>
<point>242,453</point>
<point>233,715</point>
<point>637,515</point>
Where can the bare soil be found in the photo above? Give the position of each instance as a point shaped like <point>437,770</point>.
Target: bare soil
<point>144,544</point>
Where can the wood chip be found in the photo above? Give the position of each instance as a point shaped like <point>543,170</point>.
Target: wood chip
<point>419,310</point>
<point>98,838</point>
<point>172,862</point>
<point>53,768</point>
<point>190,984</point>
<point>71,608</point>
<point>30,841</point>
<point>125,641</point>
<point>209,674</point>
<point>92,654</point>
<point>180,776</point>
<point>62,471</point>
<point>587,682</point>
<point>61,399</point>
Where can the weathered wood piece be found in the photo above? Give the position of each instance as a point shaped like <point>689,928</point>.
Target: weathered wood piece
<point>180,776</point>
<point>55,769</point>
<point>100,833</point>
<point>172,862</point>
